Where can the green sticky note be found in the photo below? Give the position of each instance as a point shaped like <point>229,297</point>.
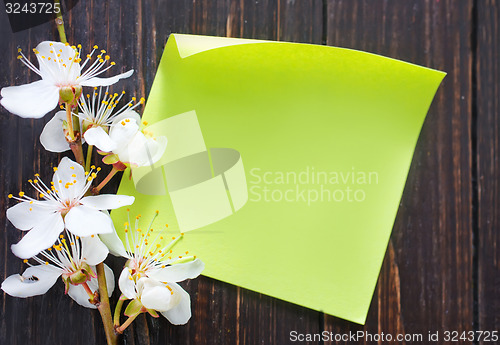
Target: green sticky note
<point>285,163</point>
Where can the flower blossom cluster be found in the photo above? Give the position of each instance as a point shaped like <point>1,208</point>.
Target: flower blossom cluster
<point>68,231</point>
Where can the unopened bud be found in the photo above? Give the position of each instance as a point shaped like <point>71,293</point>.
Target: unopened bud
<point>70,94</point>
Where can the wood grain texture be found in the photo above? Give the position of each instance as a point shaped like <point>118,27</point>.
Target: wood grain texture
<point>427,278</point>
<point>488,164</point>
<point>429,273</point>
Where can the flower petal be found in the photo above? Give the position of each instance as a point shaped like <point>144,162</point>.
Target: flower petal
<point>130,114</point>
<point>32,100</point>
<point>142,151</point>
<point>107,201</point>
<point>96,81</point>
<point>134,150</point>
<point>99,138</point>
<point>114,243</point>
<point>80,296</point>
<point>42,236</point>
<point>56,72</point>
<point>52,137</point>
<point>157,296</point>
<point>93,250</point>
<point>181,313</point>
<point>156,147</point>
<point>126,284</point>
<point>178,272</point>
<point>36,280</point>
<point>123,132</point>
<point>69,179</point>
<point>84,221</point>
<point>110,280</point>
<point>25,216</point>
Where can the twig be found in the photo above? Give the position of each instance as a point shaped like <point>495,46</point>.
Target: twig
<point>60,22</point>
<point>104,307</point>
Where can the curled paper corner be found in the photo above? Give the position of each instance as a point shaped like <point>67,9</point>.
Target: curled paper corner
<point>204,185</point>
<point>188,45</point>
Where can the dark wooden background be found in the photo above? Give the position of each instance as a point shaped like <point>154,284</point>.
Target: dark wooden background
<point>442,267</point>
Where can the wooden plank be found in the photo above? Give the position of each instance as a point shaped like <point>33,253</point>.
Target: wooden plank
<point>237,316</point>
<point>30,320</point>
<point>134,33</point>
<point>488,164</point>
<point>426,279</point>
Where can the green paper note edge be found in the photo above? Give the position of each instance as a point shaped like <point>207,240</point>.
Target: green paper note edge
<point>188,46</point>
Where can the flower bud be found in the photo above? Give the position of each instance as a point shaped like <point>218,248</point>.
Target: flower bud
<point>70,94</point>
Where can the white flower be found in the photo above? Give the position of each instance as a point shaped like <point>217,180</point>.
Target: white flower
<point>75,262</point>
<point>59,67</point>
<point>150,295</point>
<point>152,272</point>
<point>128,144</point>
<point>132,146</point>
<point>97,114</point>
<point>62,205</point>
